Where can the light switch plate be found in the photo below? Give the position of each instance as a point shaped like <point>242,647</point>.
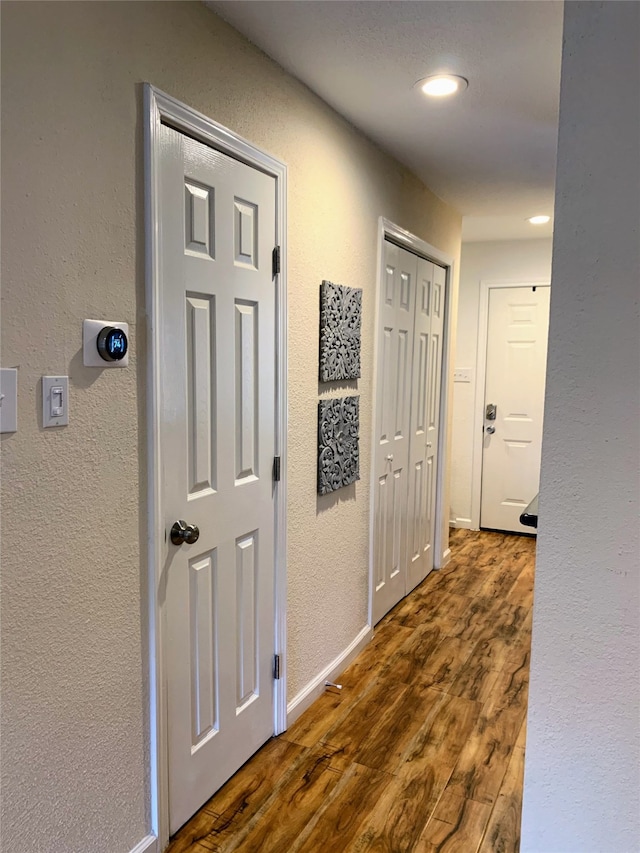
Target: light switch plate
<point>55,401</point>
<point>90,355</point>
<point>462,374</point>
<point>9,399</point>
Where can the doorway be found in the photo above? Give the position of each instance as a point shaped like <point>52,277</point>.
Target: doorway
<point>512,356</point>
<point>217,423</point>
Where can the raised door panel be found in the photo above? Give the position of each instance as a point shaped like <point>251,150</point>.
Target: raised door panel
<point>201,394</point>
<point>247,432</point>
<point>203,629</point>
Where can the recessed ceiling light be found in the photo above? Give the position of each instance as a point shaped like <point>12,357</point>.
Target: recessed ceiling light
<point>538,220</point>
<point>441,85</point>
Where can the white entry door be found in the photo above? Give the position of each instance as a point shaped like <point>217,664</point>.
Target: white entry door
<point>517,333</point>
<point>410,339</point>
<point>218,403</point>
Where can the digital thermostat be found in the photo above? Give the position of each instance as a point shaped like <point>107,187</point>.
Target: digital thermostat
<point>112,343</point>
<point>105,343</point>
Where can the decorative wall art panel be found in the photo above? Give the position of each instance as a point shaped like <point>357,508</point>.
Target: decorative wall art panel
<point>338,448</point>
<point>340,323</point>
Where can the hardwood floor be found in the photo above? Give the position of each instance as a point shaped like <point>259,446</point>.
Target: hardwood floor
<point>423,749</point>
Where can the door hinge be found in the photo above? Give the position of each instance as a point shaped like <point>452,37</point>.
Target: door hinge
<point>275,261</point>
<point>276,469</point>
<point>276,666</point>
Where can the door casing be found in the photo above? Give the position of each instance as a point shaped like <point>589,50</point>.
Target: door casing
<point>481,373</point>
<point>162,108</point>
<point>388,230</point>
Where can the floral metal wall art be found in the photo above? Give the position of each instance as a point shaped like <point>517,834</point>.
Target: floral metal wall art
<point>340,324</point>
<point>338,447</point>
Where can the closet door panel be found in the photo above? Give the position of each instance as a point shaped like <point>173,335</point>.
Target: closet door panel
<point>391,452</point>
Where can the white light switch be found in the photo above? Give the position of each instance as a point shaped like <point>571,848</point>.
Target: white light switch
<point>8,399</point>
<point>57,406</point>
<point>55,401</point>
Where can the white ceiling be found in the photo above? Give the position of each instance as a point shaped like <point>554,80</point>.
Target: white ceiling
<point>490,152</point>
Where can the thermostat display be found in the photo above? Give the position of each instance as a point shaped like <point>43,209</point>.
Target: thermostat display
<point>105,343</point>
<point>112,343</point>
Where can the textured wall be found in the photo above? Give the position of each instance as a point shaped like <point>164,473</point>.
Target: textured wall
<point>73,660</point>
<point>582,786</point>
<point>506,260</point>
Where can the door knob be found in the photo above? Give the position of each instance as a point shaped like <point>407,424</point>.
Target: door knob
<point>490,429</point>
<point>390,457</point>
<point>182,532</point>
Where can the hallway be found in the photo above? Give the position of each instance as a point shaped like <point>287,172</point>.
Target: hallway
<point>423,749</point>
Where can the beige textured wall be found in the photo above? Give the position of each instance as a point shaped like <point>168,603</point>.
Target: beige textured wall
<point>73,653</point>
<point>581,780</point>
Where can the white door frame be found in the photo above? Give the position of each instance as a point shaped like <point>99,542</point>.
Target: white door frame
<point>481,373</point>
<point>161,108</point>
<point>388,230</point>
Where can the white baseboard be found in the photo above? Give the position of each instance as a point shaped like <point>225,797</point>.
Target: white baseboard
<point>445,559</point>
<point>149,844</point>
<point>465,523</point>
<point>307,696</point>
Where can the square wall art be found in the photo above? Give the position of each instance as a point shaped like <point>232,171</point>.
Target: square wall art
<point>338,448</point>
<point>340,323</point>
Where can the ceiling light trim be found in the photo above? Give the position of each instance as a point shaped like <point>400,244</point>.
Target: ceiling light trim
<point>442,85</point>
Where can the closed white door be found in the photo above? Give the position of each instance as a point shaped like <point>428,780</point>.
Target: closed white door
<point>517,332</point>
<point>393,410</point>
<point>410,328</point>
<point>425,419</point>
<point>217,339</point>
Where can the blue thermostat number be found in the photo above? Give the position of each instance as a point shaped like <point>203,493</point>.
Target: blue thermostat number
<point>112,343</point>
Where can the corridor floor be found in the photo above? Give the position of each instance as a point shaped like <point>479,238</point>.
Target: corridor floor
<point>423,749</point>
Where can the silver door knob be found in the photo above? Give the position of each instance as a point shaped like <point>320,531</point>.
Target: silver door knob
<point>182,532</point>
<point>490,429</point>
<point>390,457</point>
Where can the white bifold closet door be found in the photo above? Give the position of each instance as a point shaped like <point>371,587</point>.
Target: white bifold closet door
<point>410,333</point>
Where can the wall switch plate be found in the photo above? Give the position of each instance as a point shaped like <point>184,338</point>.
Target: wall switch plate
<point>9,399</point>
<point>55,401</point>
<point>90,355</point>
<point>462,374</point>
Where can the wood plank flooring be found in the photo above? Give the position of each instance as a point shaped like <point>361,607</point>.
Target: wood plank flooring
<point>423,749</point>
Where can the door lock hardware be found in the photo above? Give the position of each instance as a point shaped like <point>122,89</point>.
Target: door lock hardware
<point>182,532</point>
<point>491,411</point>
<point>490,429</point>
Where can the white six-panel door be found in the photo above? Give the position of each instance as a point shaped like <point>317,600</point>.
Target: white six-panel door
<point>517,335</point>
<point>410,332</point>
<point>217,220</point>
